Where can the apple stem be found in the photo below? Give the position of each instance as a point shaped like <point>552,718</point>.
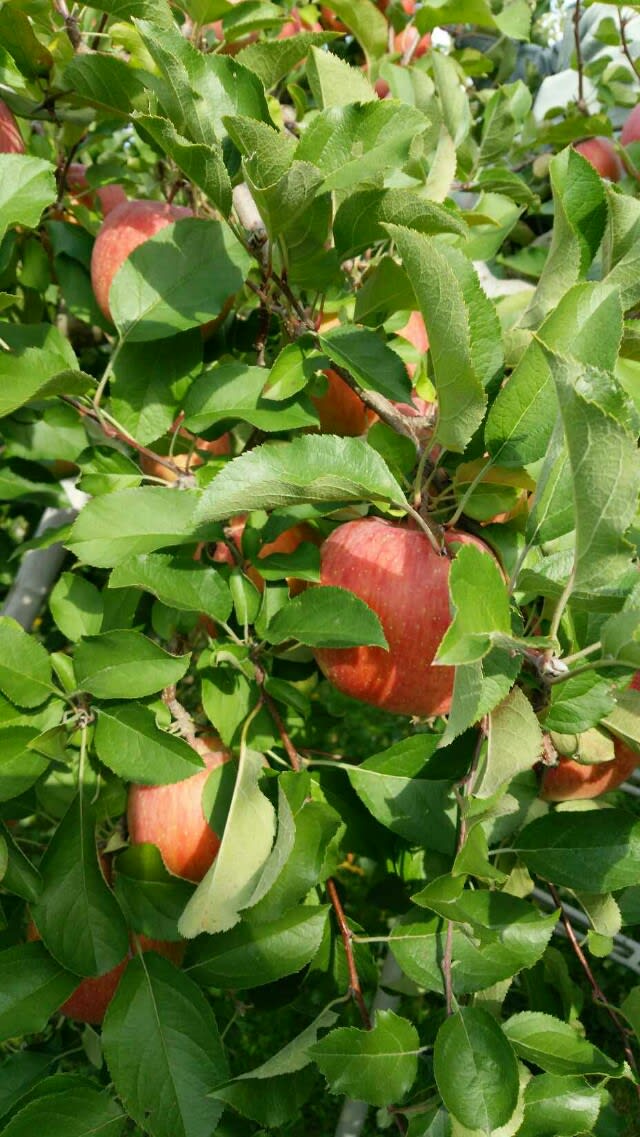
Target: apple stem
<point>424,525</point>
<point>476,482</point>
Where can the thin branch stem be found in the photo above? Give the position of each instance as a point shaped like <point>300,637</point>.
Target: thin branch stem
<point>598,993</point>
<point>624,43</point>
<point>581,654</point>
<point>184,722</point>
<point>562,604</point>
<point>290,750</point>
<point>476,482</point>
<point>355,990</point>
<point>581,104</point>
<point>111,431</point>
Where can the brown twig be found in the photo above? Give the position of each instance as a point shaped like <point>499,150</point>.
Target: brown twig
<point>624,43</point>
<point>355,990</point>
<point>183,720</point>
<point>95,43</point>
<point>581,104</point>
<point>598,993</point>
<point>291,752</point>
<point>112,432</point>
<point>463,790</point>
<point>70,24</point>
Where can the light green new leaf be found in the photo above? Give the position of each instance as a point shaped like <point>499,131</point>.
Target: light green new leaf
<point>367,23</point>
<point>271,60</point>
<point>163,1050</point>
<point>378,1066</point>
<point>246,844</point>
<point>108,82</point>
<point>179,583</point>
<point>125,665</point>
<point>481,607</point>
<point>334,83</point>
<point>514,743</point>
<point>556,1047</point>
<point>166,285</point>
<point>580,218</point>
<point>311,469</point>
<point>476,1070</point>
<point>27,186</point>
<point>462,325</point>
<point>454,102</point>
<point>121,524</point>
<point>620,637</point>
<point>128,741</point>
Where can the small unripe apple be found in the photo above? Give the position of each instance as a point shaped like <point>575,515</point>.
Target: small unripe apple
<point>399,574</point>
<point>631,129</point>
<point>571,780</point>
<point>330,20</point>
<point>409,42</point>
<point>601,154</point>
<point>108,197</point>
<point>10,136</point>
<point>172,818</point>
<point>127,226</point>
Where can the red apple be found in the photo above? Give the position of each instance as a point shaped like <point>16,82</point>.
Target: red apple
<point>398,573</point>
<point>331,21</point>
<point>570,780</point>
<point>601,154</point>
<point>296,24</point>
<point>409,42</point>
<point>285,542</point>
<point>631,129</point>
<point>10,136</point>
<point>171,817</point>
<point>108,196</point>
<point>341,411</point>
<point>127,226</point>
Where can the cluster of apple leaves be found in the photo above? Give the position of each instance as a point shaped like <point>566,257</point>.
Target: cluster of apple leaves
<point>370,210</point>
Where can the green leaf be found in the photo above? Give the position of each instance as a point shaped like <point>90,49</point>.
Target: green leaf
<point>77,914</point>
<point>454,103</point>
<point>367,23</point>
<point>33,986</point>
<point>496,936</point>
<point>107,82</point>
<point>149,895</point>
<point>272,60</point>
<point>478,688</point>
<point>31,356</point>
<point>481,607</point>
<point>514,743</point>
<point>125,665</point>
<point>163,1050</point>
<point>623,720</point>
<point>234,391</point>
<point>77,1112</point>
<point>246,843</point>
<point>27,186</point>
<point>179,583</point>
<point>19,39</point>
<point>476,1070</point>
<point>166,285</point>
<point>503,116</point>
<point>20,766</point>
<point>18,1074</point>
<point>371,363</point>
<point>253,955</point>
<point>334,83</point>
<point>326,617</point>
<point>630,1008</point>
<point>148,379</point>
<point>25,671</point>
<point>308,469</point>
<point>76,606</point>
<point>396,788</point>
<point>464,338</point>
<point>556,1047</point>
<point>201,164</point>
<point>602,856</point>
<point>559,1107</point>
<point>356,143</point>
<point>19,876</point>
<point>129,742</point>
<point>131,521</point>
<point>378,1066</point>
<point>579,225</point>
<point>620,637</point>
<point>578,704</point>
<point>360,220</point>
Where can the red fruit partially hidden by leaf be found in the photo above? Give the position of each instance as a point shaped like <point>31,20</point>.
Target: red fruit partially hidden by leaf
<point>340,410</point>
<point>185,461</point>
<point>631,129</point>
<point>601,154</point>
<point>410,43</point>
<point>127,226</point>
<point>398,573</point>
<point>171,817</point>
<point>10,136</point>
